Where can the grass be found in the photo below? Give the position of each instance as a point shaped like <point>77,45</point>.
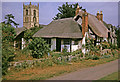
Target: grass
<point>38,73</point>
<point>113,76</point>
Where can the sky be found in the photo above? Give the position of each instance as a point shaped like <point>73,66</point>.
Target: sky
<point>48,10</point>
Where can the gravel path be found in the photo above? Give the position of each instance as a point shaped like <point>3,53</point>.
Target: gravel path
<point>91,73</point>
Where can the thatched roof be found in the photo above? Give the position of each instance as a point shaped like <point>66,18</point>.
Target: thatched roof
<point>61,28</point>
<point>97,26</point>
<point>19,30</point>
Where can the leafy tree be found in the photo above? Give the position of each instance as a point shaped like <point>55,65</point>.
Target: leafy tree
<point>30,32</point>
<point>10,19</point>
<point>39,47</point>
<point>8,34</point>
<point>118,36</point>
<point>66,11</point>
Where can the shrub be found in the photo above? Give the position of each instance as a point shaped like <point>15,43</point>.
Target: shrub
<point>105,45</point>
<point>64,51</point>
<point>38,47</point>
<point>74,59</point>
<point>95,57</point>
<point>88,57</point>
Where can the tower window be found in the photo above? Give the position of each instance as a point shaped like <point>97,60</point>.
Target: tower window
<point>34,19</point>
<point>34,12</point>
<point>26,12</point>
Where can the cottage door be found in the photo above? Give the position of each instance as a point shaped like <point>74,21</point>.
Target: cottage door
<point>58,44</point>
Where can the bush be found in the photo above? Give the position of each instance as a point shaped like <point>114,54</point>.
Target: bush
<point>38,47</point>
<point>74,59</point>
<point>105,45</point>
<point>113,46</point>
<point>95,57</point>
<point>88,57</point>
<point>65,53</point>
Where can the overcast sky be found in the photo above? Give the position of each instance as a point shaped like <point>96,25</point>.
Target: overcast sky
<point>47,10</point>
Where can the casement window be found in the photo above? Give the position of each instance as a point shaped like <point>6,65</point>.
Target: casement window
<point>48,41</point>
<point>75,42</point>
<point>66,42</point>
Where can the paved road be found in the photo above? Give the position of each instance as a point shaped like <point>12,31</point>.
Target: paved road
<point>92,73</point>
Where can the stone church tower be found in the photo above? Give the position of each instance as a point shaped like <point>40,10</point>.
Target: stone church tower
<point>30,15</point>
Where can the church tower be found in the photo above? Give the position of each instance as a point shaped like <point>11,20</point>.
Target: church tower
<point>30,15</point>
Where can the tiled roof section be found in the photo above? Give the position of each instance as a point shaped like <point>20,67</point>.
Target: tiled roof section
<point>61,28</point>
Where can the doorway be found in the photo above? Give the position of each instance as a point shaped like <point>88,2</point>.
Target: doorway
<point>58,44</point>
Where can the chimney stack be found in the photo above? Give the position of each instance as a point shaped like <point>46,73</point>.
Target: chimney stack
<point>98,15</point>
<point>30,3</point>
<point>38,4</point>
<point>101,16</point>
<point>77,10</point>
<point>84,22</point>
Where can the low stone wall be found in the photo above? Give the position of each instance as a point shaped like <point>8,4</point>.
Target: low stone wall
<point>65,58</point>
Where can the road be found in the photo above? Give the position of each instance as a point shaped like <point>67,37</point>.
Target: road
<point>91,73</point>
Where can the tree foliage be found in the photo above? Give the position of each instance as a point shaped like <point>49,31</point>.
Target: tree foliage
<point>89,47</point>
<point>66,11</point>
<point>39,47</point>
<point>10,19</point>
<point>30,32</point>
<point>8,34</point>
<point>118,36</point>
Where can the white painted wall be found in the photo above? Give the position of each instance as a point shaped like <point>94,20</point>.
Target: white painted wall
<point>105,39</point>
<point>79,21</point>
<point>83,42</point>
<point>23,43</point>
<point>53,44</point>
<point>67,46</point>
<point>74,47</point>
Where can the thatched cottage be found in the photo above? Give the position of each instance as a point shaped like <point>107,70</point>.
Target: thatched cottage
<point>70,33</point>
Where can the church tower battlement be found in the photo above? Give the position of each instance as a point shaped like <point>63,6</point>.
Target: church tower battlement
<point>30,15</point>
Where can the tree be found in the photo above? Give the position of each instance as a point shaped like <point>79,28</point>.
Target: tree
<point>8,34</point>
<point>30,32</point>
<point>66,11</point>
<point>10,19</point>
<point>118,36</point>
<point>39,47</point>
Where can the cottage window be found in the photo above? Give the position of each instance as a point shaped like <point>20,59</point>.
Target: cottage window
<point>75,42</point>
<point>66,42</point>
<point>48,41</point>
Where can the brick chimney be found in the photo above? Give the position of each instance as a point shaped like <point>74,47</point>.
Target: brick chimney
<point>84,22</point>
<point>77,10</point>
<point>98,15</point>
<point>30,3</point>
<point>101,16</point>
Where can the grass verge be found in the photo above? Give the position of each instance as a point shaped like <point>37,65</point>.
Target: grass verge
<point>113,76</point>
<point>38,73</point>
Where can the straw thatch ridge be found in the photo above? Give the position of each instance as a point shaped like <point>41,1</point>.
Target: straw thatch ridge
<point>61,28</point>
